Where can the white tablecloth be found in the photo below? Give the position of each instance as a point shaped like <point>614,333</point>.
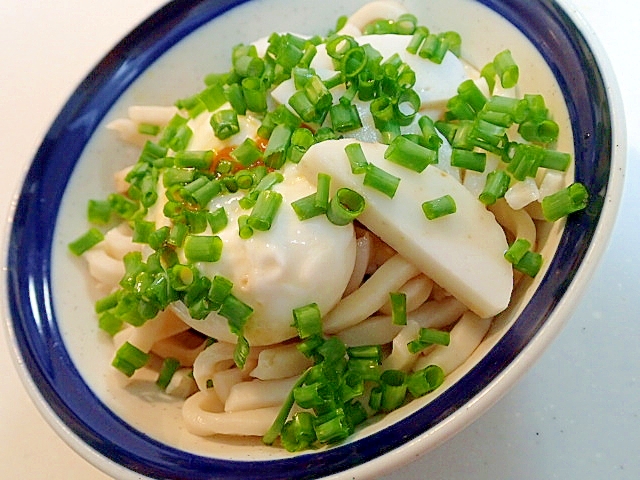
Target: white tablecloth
<point>575,415</point>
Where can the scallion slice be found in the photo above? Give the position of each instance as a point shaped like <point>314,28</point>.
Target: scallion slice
<point>129,358</point>
<point>345,206</point>
<point>265,210</point>
<point>356,157</point>
<point>468,159</point>
<point>439,207</point>
<point>570,199</point>
<point>381,180</point>
<point>398,307</point>
<point>202,248</point>
<point>88,240</point>
<point>307,320</point>
<point>169,367</point>
<point>496,185</point>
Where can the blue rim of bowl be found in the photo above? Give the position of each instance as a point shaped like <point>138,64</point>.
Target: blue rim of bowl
<point>30,302</point>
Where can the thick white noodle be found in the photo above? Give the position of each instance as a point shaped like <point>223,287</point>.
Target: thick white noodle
<point>466,335</point>
<point>417,291</point>
<point>373,293</point>
<point>203,416</point>
<point>105,269</point>
<point>438,313</point>
<point>363,256</point>
<point>185,350</point>
<point>166,324</point>
<point>376,10</point>
<point>516,222</point>
<point>215,358</point>
<point>258,394</point>
<point>152,114</point>
<point>224,380</point>
<point>280,362</point>
<point>379,329</point>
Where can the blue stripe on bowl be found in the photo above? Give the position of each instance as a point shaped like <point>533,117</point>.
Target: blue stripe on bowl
<point>34,321</point>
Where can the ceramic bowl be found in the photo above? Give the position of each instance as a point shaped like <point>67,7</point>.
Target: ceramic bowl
<point>127,433</point>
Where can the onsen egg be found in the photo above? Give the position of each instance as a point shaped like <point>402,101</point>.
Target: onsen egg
<point>293,264</point>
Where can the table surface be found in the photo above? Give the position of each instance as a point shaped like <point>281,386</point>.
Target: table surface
<point>575,414</point>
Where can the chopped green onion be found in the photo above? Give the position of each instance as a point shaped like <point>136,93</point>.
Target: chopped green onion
<point>555,160</point>
<point>110,323</point>
<point>407,106</point>
<point>276,428</point>
<point>175,176</point>
<point>516,108</point>
<point>496,185</point>
<point>275,153</point>
<point>129,358</point>
<point>169,367</point>
<point>344,117</point>
<point>506,68</point>
<point>141,231</point>
<point>529,264</point>
<point>525,160</point>
<point>332,427</point>
<point>298,433</point>
<point>377,178</point>
<point>545,131</point>
<point>217,219</point>
<point>470,93</point>
<point>304,107</point>
<point>265,210</point>
<point>306,207</point>
<point>202,248</point>
<point>468,160</point>
<point>311,395</point>
<point>225,123</point>
<point>151,152</point>
<point>430,136</point>
<point>177,234</point>
<point>181,276</point>
<point>517,250</point>
<point>98,211</point>
<point>434,48</point>
<point>107,302</point>
<point>398,308</point>
<point>322,192</point>
<point>427,337</point>
<point>236,312</point>
<point>394,389</point>
<point>419,36</point>
<point>220,288</point>
<point>301,140</point>
<point>307,320</point>
<point>241,352</point>
<point>345,206</point>
<point>176,134</point>
<point>200,160</point>
<point>247,153</point>
<point>235,96</point>
<point>148,129</point>
<point>439,207</point>
<point>356,157</point>
<point>86,241</point>
<point>425,381</point>
<point>570,199</point>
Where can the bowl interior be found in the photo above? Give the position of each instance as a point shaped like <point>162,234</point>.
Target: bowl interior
<point>51,300</point>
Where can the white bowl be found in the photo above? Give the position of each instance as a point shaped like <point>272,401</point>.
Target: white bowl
<point>127,432</point>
